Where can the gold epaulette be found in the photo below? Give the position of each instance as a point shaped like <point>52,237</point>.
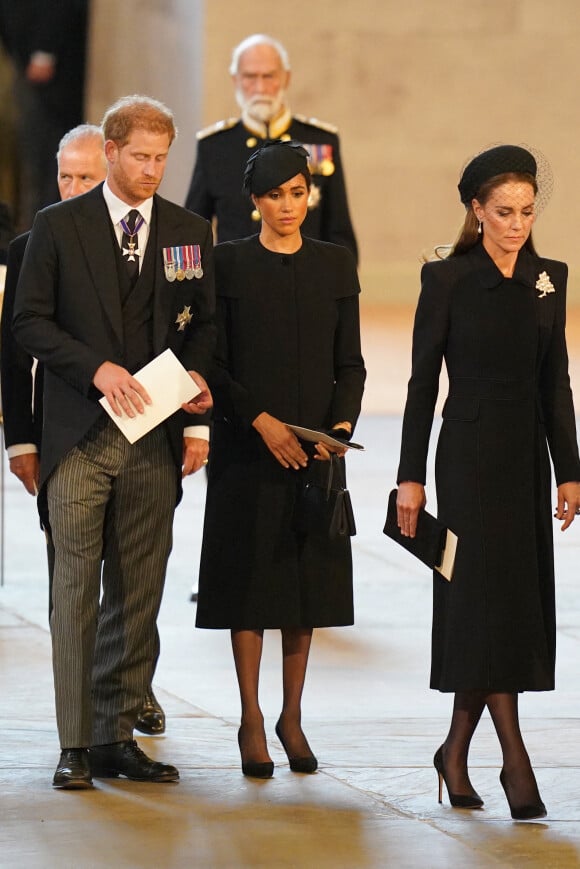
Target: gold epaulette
<point>314,122</point>
<point>218,127</point>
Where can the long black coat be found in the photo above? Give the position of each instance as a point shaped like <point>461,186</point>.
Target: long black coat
<point>509,399</point>
<point>288,344</point>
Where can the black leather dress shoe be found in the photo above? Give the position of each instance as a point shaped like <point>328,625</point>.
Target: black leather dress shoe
<point>73,771</point>
<point>151,718</point>
<point>126,758</point>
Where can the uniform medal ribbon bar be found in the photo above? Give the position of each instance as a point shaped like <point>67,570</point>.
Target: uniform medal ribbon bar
<point>321,159</point>
<point>178,253</point>
<point>188,259</point>
<point>182,261</point>
<point>197,269</point>
<point>169,263</point>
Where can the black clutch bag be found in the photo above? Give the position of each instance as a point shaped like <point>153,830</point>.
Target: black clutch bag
<point>434,544</point>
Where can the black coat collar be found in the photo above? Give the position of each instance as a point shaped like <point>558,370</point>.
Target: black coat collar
<point>526,272</point>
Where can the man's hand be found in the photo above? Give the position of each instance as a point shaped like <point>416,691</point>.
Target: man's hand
<point>203,400</point>
<point>121,389</point>
<point>26,468</point>
<point>195,453</point>
<point>281,441</point>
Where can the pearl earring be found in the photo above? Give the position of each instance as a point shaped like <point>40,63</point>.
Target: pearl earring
<point>479,227</point>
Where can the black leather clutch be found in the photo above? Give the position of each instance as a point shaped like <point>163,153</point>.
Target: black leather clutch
<point>430,542</point>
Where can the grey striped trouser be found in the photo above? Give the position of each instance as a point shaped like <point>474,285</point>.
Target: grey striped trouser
<point>111,506</point>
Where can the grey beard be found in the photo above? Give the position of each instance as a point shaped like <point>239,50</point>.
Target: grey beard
<point>261,109</point>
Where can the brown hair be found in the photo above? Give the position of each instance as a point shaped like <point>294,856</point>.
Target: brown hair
<point>469,236</point>
<point>137,113</point>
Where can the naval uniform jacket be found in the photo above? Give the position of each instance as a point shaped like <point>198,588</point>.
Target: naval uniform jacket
<point>68,311</point>
<point>509,402</point>
<point>216,184</point>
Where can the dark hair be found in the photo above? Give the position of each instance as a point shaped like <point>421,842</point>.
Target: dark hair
<point>469,236</point>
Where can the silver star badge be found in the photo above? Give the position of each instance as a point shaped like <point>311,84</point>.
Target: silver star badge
<point>184,318</point>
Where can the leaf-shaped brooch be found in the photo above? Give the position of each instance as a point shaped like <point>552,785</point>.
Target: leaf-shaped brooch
<point>544,285</point>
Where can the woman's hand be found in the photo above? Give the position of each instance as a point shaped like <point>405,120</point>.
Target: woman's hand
<point>410,499</point>
<point>281,441</point>
<point>323,451</point>
<point>568,503</point>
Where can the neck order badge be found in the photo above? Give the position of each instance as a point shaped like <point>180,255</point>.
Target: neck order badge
<point>129,243</point>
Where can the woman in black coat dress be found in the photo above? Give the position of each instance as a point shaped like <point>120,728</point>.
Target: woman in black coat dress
<point>288,352</point>
<point>495,311</point>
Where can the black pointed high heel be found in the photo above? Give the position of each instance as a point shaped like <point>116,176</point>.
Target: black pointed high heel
<point>306,764</point>
<point>458,801</point>
<point>526,812</point>
<point>254,768</point>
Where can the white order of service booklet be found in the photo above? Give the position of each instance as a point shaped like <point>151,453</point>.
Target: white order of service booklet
<point>169,386</point>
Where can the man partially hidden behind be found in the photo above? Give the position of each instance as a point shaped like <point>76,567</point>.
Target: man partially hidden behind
<point>95,302</point>
<point>81,165</point>
<point>260,71</point>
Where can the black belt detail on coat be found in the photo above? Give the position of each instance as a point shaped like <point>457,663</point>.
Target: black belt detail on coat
<point>498,390</point>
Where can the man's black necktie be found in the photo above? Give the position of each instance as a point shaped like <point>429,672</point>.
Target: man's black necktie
<point>130,244</point>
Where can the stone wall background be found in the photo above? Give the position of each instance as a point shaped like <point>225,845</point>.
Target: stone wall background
<point>415,88</point>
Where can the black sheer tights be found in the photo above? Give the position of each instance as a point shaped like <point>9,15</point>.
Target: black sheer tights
<point>247,649</point>
<point>503,708</point>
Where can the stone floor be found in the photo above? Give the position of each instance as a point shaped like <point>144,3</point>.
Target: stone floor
<point>368,713</point>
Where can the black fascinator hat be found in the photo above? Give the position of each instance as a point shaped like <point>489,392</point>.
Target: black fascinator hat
<point>495,161</point>
<point>273,164</point>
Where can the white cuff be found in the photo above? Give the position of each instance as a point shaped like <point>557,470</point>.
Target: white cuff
<point>196,431</point>
<point>22,450</point>
<point>44,58</point>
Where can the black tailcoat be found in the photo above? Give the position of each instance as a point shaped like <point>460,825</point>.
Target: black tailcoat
<point>509,401</point>
<point>216,184</point>
<point>68,311</point>
<point>288,344</point>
